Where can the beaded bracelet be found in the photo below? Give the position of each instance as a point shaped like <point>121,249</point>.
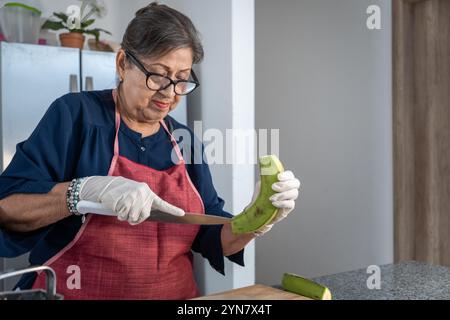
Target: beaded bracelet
<point>73,195</point>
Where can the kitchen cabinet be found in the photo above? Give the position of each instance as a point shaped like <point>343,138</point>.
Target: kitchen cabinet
<point>98,70</point>
<point>32,77</point>
<point>421,130</point>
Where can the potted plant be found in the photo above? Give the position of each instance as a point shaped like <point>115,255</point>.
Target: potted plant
<point>76,23</point>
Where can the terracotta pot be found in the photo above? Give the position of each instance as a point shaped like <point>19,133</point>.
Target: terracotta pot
<point>72,40</point>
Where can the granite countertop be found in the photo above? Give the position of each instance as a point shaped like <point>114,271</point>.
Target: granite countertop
<point>403,281</point>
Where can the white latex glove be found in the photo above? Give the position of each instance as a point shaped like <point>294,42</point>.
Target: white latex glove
<point>287,189</point>
<point>131,200</point>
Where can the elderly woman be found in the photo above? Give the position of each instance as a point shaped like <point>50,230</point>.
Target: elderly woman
<point>114,147</point>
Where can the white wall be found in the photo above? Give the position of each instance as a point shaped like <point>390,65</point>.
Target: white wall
<point>324,79</point>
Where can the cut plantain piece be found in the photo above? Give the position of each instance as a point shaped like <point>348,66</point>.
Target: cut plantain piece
<point>261,212</point>
<point>305,287</point>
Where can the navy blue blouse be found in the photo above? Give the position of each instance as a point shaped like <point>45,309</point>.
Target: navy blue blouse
<point>75,139</point>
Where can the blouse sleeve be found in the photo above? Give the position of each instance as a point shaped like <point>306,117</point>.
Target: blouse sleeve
<point>46,158</point>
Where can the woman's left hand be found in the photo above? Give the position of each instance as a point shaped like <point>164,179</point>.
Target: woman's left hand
<point>287,189</point>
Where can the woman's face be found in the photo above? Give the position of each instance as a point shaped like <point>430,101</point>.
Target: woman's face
<point>139,102</point>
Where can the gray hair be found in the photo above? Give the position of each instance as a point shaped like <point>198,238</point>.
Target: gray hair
<point>158,29</point>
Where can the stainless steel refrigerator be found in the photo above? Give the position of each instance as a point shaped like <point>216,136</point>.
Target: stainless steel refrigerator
<point>31,78</point>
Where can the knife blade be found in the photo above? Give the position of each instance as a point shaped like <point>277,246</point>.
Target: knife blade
<point>85,207</point>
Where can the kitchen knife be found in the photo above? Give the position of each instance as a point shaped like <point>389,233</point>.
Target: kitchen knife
<point>85,207</point>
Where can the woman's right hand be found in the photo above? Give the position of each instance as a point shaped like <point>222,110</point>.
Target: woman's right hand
<point>131,200</point>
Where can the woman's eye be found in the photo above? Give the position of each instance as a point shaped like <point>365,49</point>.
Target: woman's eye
<point>183,77</point>
<point>160,72</point>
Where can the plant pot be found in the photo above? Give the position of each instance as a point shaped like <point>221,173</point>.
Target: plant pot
<point>99,46</point>
<point>72,40</point>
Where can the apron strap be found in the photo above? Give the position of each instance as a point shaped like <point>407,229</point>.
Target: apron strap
<point>117,121</point>
<point>174,142</point>
<point>116,139</point>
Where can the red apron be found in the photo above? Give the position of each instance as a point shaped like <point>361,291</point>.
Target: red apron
<point>147,261</point>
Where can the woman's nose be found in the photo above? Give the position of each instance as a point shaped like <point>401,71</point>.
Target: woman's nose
<point>169,91</point>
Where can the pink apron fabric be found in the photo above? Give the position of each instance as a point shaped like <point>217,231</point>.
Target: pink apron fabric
<point>147,261</point>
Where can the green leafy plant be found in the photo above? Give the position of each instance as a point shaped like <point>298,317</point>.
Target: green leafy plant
<point>79,24</point>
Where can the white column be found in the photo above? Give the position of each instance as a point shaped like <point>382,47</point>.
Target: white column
<point>243,117</point>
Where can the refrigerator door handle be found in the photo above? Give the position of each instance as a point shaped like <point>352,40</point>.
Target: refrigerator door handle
<point>89,83</point>
<point>73,83</point>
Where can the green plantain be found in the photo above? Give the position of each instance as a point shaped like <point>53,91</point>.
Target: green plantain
<point>261,212</point>
<point>307,288</point>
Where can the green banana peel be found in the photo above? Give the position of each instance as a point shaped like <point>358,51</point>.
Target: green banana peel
<point>261,212</point>
<point>305,287</point>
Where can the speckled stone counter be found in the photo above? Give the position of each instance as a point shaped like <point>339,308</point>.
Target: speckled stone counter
<point>403,281</point>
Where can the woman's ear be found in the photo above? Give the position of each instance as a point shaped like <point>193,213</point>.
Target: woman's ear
<point>120,64</point>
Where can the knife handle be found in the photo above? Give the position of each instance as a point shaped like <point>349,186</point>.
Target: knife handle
<point>85,207</point>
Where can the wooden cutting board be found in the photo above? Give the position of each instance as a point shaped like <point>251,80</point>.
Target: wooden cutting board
<point>255,292</point>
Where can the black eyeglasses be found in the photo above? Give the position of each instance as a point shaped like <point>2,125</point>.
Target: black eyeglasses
<point>157,82</point>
